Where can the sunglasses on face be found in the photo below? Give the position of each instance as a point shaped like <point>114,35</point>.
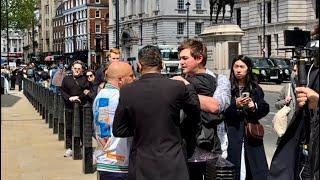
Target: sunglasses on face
<point>89,75</point>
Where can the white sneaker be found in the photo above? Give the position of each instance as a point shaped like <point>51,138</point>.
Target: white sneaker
<point>68,153</point>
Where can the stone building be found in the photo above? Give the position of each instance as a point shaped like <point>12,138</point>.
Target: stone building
<point>58,32</point>
<point>157,22</point>
<point>47,10</point>
<point>16,44</point>
<point>279,15</point>
<point>85,24</point>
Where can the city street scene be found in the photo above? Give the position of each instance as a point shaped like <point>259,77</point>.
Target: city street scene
<point>159,89</point>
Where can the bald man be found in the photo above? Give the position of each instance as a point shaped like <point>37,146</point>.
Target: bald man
<point>112,154</point>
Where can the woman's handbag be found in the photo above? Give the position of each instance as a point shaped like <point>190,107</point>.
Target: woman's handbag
<point>280,120</point>
<point>254,131</point>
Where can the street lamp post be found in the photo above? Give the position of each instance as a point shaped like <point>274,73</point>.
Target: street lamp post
<point>188,4</point>
<point>7,16</point>
<point>264,29</point>
<point>141,21</point>
<point>117,23</point>
<point>75,21</point>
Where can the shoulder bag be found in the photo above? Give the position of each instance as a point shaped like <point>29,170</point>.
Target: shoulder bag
<point>280,120</point>
<point>254,130</point>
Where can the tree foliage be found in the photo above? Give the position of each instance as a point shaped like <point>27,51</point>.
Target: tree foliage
<point>20,13</point>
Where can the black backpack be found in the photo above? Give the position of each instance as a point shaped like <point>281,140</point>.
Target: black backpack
<point>205,133</point>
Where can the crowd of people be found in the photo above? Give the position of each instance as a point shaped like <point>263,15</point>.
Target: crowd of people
<point>151,127</point>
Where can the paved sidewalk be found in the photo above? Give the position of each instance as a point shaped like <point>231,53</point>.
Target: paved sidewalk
<point>273,88</point>
<point>29,149</point>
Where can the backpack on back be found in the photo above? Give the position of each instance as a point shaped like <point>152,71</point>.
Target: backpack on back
<point>30,72</point>
<point>58,77</point>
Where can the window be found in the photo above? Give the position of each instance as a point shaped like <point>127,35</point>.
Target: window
<point>125,8</point>
<point>98,28</point>
<point>155,28</point>
<point>180,4</point>
<point>98,14</point>
<point>97,1</point>
<point>198,28</point>
<point>259,7</point>
<point>268,37</point>
<point>47,9</point>
<point>277,10</point>
<point>269,12</point>
<point>260,44</point>
<point>198,4</point>
<point>238,14</point>
<point>317,9</point>
<point>276,40</point>
<point>180,28</point>
<point>98,43</point>
<point>158,5</point>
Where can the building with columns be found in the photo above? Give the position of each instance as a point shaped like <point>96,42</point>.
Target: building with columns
<point>279,15</point>
<point>157,22</point>
<point>16,44</point>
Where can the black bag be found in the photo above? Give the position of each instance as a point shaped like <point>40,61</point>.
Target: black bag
<point>207,137</point>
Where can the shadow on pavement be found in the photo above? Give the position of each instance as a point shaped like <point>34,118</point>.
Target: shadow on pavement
<point>9,100</point>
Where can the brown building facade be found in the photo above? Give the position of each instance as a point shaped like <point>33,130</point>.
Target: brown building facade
<point>85,31</point>
<point>58,33</point>
<point>98,21</point>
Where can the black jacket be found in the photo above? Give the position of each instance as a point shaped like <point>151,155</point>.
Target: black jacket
<point>254,150</point>
<point>74,87</point>
<point>149,110</point>
<point>286,159</point>
<point>207,137</point>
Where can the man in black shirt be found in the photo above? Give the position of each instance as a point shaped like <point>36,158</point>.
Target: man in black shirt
<point>72,91</point>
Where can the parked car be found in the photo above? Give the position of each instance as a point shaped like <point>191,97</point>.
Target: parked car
<point>265,70</point>
<point>285,70</point>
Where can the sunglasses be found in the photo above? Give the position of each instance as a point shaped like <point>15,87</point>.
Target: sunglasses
<point>89,75</point>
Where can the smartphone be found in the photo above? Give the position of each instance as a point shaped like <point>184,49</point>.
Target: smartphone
<point>245,94</point>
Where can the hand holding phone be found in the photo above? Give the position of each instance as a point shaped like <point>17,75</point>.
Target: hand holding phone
<point>245,94</point>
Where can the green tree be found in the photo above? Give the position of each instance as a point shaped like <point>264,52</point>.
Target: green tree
<point>20,14</point>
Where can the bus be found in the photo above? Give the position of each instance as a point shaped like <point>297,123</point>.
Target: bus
<point>170,57</point>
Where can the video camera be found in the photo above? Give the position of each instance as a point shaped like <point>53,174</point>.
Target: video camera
<point>296,37</point>
<point>299,39</point>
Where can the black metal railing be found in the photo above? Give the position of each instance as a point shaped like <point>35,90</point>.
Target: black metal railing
<point>50,105</point>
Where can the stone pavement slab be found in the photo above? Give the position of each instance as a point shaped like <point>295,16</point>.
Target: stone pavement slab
<point>273,88</point>
<point>29,149</point>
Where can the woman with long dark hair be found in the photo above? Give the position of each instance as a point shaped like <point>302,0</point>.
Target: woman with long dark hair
<point>247,106</point>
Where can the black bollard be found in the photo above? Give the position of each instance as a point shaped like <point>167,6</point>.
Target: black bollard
<point>43,102</point>
<point>37,96</point>
<point>46,104</point>
<point>50,108</point>
<point>87,149</point>
<point>76,132</point>
<point>61,113</point>
<point>55,113</point>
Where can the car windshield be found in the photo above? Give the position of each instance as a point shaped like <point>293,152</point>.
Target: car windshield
<point>260,62</point>
<point>281,62</point>
<point>170,55</point>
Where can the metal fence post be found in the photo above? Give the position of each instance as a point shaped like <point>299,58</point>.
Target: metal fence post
<point>46,104</point>
<point>87,149</point>
<point>61,114</point>
<point>55,113</point>
<point>50,108</point>
<point>76,132</point>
